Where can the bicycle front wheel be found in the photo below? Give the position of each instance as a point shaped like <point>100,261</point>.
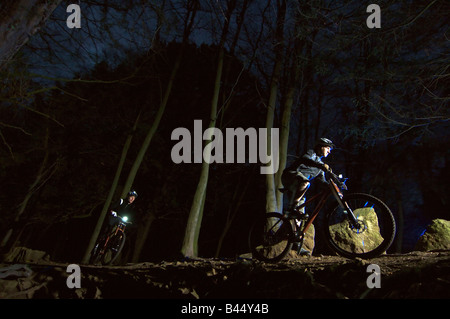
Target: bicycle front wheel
<point>114,248</point>
<point>95,254</point>
<point>369,237</point>
<point>270,237</point>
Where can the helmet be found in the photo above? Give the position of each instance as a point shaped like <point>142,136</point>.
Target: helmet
<point>324,142</point>
<point>132,193</point>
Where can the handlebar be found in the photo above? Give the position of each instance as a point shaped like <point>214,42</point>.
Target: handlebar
<point>124,219</point>
<point>338,179</point>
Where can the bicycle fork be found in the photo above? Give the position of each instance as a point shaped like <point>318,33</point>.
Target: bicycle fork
<point>346,209</point>
<point>349,213</point>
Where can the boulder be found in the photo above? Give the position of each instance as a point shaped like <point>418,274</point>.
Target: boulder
<point>308,243</point>
<point>436,236</point>
<point>24,255</point>
<point>358,241</point>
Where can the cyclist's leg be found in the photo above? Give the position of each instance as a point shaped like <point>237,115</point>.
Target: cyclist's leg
<point>105,230</point>
<point>302,186</point>
<point>108,226</point>
<point>296,184</point>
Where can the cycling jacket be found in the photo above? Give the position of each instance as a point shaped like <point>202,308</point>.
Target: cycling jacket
<point>310,165</point>
<point>122,207</point>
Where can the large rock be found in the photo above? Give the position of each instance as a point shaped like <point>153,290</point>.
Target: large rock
<point>355,240</point>
<point>308,242</point>
<point>25,255</point>
<point>436,236</point>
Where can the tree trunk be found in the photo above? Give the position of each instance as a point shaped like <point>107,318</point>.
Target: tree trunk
<point>190,17</point>
<point>21,19</point>
<point>140,157</point>
<point>193,6</point>
<point>232,213</point>
<point>271,198</point>
<point>112,190</point>
<point>189,247</point>
<point>142,237</point>
<point>284,136</point>
<point>190,242</point>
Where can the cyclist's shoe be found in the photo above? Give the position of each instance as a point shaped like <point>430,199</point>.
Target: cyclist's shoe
<point>303,252</point>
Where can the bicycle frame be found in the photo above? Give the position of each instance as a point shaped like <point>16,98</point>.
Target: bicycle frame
<point>333,189</point>
<point>323,196</point>
<point>119,228</point>
<point>271,238</point>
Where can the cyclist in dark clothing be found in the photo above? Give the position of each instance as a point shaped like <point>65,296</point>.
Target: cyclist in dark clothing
<point>124,207</point>
<point>296,178</point>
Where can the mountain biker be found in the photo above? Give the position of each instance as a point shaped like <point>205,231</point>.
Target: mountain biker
<point>123,207</point>
<point>297,177</point>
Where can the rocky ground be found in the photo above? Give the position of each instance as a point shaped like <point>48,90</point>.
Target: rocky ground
<point>406,276</point>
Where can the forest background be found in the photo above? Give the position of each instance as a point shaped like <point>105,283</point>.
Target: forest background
<point>87,114</point>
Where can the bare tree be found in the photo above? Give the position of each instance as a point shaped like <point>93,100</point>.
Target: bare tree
<point>271,200</point>
<point>190,243</point>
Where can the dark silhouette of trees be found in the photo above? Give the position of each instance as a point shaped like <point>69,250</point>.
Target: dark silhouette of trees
<point>87,114</point>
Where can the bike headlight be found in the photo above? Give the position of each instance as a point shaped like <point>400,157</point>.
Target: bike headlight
<point>124,218</point>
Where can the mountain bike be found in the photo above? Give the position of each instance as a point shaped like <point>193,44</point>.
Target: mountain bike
<point>108,248</point>
<point>356,225</point>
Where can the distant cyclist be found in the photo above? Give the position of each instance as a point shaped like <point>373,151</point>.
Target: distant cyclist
<point>123,207</point>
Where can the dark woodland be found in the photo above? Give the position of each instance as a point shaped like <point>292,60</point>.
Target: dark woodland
<point>75,101</point>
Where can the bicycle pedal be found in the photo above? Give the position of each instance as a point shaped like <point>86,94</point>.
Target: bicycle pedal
<point>298,215</point>
<point>297,238</point>
<point>303,216</point>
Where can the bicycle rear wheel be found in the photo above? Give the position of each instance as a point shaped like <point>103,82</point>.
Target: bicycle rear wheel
<point>113,249</point>
<point>370,237</point>
<point>270,237</point>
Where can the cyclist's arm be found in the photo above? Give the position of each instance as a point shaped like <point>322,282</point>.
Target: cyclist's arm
<point>311,159</point>
<point>321,178</point>
<point>116,205</point>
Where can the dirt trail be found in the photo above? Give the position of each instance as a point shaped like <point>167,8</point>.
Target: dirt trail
<point>413,275</point>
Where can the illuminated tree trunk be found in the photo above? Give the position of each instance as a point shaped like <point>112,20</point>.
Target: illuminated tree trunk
<point>284,141</point>
<point>190,243</point>
<point>293,78</point>
<point>271,197</point>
